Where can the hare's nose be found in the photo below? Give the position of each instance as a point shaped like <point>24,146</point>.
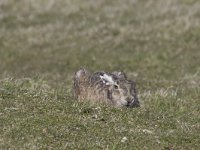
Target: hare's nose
<point>133,103</point>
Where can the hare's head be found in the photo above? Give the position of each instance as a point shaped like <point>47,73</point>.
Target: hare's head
<point>121,92</point>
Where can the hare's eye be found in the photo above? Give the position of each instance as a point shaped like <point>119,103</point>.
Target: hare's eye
<point>115,86</point>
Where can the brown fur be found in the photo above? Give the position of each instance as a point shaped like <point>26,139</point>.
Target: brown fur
<point>117,92</point>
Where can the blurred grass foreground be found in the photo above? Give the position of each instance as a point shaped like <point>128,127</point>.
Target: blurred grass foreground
<point>42,43</point>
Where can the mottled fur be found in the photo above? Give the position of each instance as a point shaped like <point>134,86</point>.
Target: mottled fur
<point>109,88</point>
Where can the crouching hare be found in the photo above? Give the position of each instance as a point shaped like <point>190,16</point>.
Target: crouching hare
<point>113,89</point>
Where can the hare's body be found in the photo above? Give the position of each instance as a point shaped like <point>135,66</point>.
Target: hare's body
<point>108,88</point>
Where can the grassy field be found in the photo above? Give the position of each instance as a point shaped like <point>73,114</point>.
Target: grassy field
<point>42,43</point>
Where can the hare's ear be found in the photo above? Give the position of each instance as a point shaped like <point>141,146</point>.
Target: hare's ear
<point>81,73</point>
<point>120,74</point>
<point>107,79</point>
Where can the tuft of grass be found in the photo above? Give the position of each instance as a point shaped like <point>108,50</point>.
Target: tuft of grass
<point>42,43</point>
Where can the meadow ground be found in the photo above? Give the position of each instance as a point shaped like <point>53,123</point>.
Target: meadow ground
<point>42,43</point>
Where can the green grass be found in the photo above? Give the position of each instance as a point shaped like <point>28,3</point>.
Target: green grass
<point>43,42</point>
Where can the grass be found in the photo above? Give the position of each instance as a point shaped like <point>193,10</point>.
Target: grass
<point>42,43</point>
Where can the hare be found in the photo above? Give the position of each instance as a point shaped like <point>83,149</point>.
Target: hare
<point>113,89</point>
